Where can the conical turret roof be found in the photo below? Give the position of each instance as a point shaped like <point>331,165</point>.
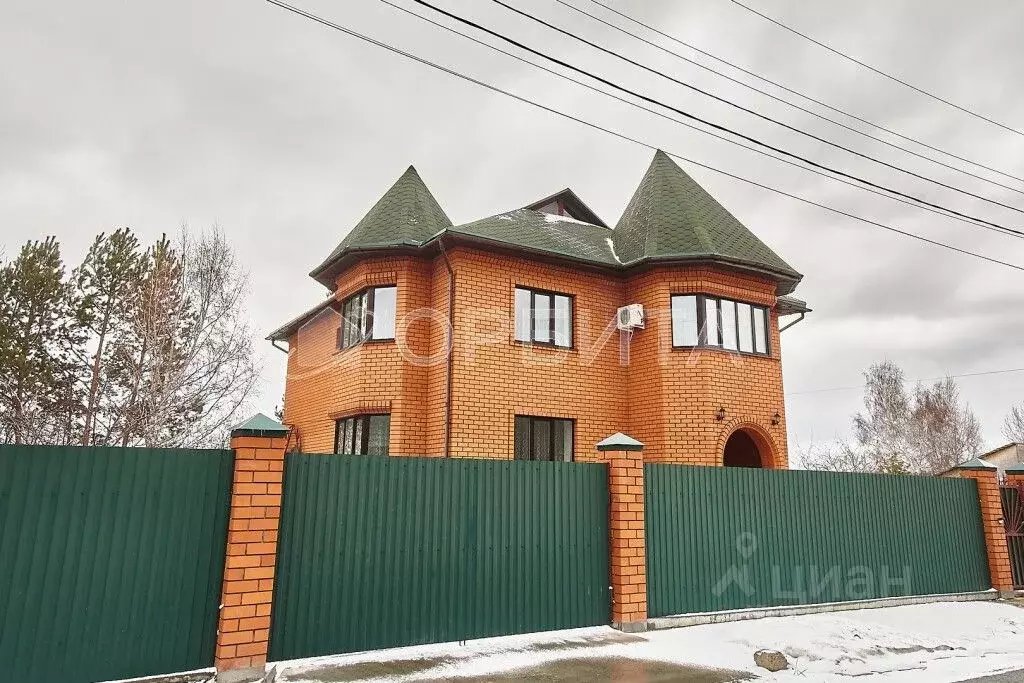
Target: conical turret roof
<point>672,217</point>
<point>407,215</point>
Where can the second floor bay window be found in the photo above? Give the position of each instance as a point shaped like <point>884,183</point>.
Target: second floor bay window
<point>368,315</point>
<point>543,317</point>
<point>699,320</point>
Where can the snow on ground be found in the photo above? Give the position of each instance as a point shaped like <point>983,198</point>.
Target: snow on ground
<point>949,641</point>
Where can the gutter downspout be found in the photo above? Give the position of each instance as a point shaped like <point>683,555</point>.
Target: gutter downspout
<point>273,342</point>
<point>789,325</point>
<point>451,352</point>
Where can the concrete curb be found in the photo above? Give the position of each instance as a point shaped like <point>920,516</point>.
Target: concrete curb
<point>681,620</point>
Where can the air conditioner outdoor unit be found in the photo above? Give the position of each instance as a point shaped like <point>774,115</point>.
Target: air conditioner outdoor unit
<point>631,317</point>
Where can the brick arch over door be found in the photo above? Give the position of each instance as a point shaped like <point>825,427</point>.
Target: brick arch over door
<point>767,448</point>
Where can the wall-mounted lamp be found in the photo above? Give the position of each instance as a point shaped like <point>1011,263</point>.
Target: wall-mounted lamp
<point>776,419</point>
<point>720,415</point>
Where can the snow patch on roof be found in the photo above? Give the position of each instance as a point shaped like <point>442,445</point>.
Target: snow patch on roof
<point>505,217</point>
<point>611,245</point>
<point>555,218</point>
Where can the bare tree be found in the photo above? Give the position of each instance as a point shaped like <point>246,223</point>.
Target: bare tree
<point>943,432</point>
<point>924,432</point>
<point>838,457</point>
<point>188,366</point>
<point>1013,425</point>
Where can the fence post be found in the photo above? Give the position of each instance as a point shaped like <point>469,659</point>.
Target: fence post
<point>247,595</point>
<point>627,533</point>
<point>987,477</point>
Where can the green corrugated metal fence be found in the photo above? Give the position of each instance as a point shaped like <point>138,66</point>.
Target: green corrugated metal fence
<point>110,561</point>
<point>382,552</point>
<point>727,538</point>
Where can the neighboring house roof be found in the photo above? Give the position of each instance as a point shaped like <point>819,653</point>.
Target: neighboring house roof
<point>672,217</point>
<point>992,459</point>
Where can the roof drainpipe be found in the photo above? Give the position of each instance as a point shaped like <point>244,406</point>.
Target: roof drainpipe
<point>451,352</point>
<point>789,325</point>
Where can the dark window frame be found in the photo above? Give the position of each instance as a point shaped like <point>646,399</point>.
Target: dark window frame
<point>534,291</point>
<point>346,338</point>
<point>702,332</point>
<point>364,441</point>
<point>551,431</point>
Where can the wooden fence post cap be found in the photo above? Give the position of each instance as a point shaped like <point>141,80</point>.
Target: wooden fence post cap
<point>259,425</point>
<point>619,442</point>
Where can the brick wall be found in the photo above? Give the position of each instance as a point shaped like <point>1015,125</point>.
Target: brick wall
<point>243,631</point>
<point>665,398</point>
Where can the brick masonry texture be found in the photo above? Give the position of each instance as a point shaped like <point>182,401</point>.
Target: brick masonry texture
<point>628,560</point>
<point>243,630</point>
<point>666,398</point>
<point>991,519</point>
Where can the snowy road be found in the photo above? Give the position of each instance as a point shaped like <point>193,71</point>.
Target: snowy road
<point>935,643</point>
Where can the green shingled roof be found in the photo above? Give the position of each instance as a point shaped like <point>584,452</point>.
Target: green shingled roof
<point>671,216</point>
<point>407,215</point>
<point>541,232</point>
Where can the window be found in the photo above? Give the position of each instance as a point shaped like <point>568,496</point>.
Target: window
<point>370,314</point>
<point>706,321</point>
<point>363,435</point>
<point>543,317</point>
<point>543,438</point>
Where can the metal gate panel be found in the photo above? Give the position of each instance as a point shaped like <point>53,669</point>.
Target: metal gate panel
<point>111,561</point>
<point>383,552</point>
<point>722,538</point>
<point>1013,521</point>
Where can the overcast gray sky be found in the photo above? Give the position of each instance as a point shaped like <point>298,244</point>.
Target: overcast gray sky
<point>284,133</point>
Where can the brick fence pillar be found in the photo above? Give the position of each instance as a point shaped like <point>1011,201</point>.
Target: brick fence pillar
<point>627,534</point>
<point>986,476</point>
<point>243,629</point>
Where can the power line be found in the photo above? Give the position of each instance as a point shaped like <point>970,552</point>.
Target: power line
<point>908,381</point>
<point>623,136</point>
<point>655,112</point>
<point>784,101</point>
<point>798,93</point>
<point>723,100</point>
<point>875,70</point>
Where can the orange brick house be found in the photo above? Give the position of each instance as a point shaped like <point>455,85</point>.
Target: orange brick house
<point>499,338</point>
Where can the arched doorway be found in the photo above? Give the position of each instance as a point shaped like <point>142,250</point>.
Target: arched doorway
<point>742,450</point>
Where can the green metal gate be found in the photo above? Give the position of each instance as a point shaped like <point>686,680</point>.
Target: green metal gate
<point>728,538</point>
<point>111,561</point>
<point>384,552</point>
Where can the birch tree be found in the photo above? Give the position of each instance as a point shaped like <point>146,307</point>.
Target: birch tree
<point>189,358</point>
<point>1013,425</point>
<point>925,431</point>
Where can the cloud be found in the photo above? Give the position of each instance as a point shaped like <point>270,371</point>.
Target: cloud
<point>284,133</point>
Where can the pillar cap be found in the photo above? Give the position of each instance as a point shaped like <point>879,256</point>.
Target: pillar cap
<point>976,464</point>
<point>619,442</point>
<point>259,425</point>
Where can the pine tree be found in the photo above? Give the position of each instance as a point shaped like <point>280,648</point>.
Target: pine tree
<point>108,281</point>
<point>38,394</point>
